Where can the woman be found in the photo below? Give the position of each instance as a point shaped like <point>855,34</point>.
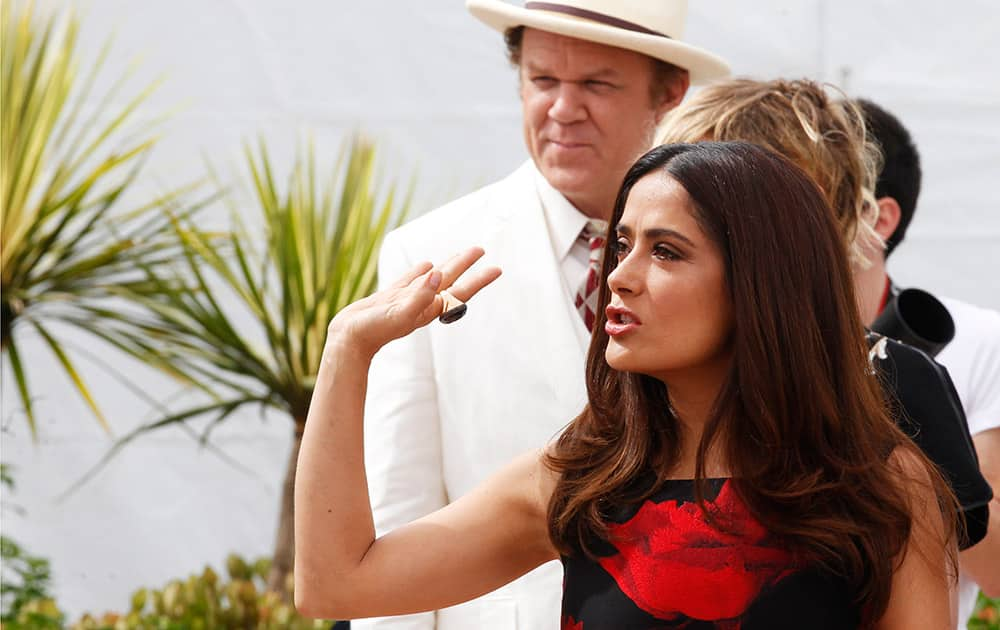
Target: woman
<point>826,138</point>
<point>735,467</point>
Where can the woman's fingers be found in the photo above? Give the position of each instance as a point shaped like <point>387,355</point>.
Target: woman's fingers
<point>458,264</point>
<point>460,281</point>
<point>413,274</point>
<point>420,296</point>
<point>424,283</point>
<point>470,284</point>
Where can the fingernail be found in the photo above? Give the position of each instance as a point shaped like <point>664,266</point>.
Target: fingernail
<point>435,280</point>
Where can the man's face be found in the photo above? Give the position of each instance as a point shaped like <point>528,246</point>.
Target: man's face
<point>588,114</point>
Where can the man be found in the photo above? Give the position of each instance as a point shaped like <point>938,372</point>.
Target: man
<point>972,357</point>
<point>449,405</point>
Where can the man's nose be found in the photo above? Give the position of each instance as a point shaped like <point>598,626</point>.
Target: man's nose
<point>568,106</point>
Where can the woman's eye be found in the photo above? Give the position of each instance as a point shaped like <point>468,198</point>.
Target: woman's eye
<point>620,248</point>
<point>665,253</point>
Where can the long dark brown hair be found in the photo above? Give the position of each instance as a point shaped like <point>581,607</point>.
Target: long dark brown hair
<point>800,420</point>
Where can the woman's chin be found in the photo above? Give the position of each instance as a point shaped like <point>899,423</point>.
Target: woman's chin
<point>619,358</point>
<point>622,360</point>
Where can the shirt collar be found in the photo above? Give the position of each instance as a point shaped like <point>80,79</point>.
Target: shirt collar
<point>564,221</point>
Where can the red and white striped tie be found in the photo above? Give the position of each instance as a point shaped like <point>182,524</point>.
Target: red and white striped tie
<point>586,294</point>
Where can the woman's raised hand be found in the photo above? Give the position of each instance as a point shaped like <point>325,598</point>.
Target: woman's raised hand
<point>413,301</point>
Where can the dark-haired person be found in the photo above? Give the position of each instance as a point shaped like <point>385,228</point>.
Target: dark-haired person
<point>972,357</point>
<point>594,77</point>
<point>735,466</point>
<point>825,136</point>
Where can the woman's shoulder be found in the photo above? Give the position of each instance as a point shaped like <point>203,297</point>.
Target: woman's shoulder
<point>539,477</point>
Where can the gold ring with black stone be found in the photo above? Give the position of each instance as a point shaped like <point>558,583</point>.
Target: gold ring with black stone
<point>452,308</point>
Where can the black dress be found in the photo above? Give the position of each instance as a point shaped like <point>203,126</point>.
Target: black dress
<point>666,567</point>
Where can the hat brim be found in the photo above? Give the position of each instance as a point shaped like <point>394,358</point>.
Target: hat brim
<point>702,66</point>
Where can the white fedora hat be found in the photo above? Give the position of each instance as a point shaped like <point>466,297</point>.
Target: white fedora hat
<point>650,27</point>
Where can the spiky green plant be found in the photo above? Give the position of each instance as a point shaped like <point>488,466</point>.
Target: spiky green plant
<point>62,177</point>
<point>247,327</point>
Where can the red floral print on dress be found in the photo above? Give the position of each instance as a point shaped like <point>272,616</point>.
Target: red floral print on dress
<point>672,563</point>
<point>568,623</point>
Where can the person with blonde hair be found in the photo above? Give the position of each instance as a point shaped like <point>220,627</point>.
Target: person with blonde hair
<point>972,356</point>
<point>825,135</point>
<point>800,120</point>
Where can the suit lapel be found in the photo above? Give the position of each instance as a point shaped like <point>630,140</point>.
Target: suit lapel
<point>536,290</point>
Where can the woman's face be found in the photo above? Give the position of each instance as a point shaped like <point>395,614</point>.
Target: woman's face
<point>669,313</point>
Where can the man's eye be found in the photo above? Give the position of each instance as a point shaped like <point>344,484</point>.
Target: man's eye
<point>543,81</point>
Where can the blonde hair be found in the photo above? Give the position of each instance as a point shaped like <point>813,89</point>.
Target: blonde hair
<point>824,136</point>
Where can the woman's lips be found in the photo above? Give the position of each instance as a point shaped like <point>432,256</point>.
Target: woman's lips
<point>620,320</point>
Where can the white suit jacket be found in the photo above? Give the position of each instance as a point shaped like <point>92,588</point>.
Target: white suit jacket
<point>450,405</point>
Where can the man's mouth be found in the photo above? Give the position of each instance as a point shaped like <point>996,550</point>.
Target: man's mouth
<point>568,144</point>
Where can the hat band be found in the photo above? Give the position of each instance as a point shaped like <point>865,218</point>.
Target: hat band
<point>593,16</point>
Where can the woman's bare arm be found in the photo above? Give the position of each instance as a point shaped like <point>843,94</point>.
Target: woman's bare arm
<point>924,585</point>
<point>464,550</point>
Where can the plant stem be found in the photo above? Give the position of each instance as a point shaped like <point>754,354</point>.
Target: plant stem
<point>284,544</point>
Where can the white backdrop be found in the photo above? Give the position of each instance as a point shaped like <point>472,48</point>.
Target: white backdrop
<point>431,85</point>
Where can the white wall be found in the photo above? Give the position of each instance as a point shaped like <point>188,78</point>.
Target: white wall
<point>431,85</point>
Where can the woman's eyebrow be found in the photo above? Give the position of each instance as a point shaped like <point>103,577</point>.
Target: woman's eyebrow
<point>654,233</point>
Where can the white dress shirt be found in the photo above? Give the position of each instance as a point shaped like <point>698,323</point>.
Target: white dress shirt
<point>565,224</point>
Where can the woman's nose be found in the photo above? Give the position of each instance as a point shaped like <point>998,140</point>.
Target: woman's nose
<point>623,278</point>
